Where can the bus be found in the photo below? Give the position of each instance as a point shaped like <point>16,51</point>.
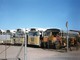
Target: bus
<point>34,37</point>
<point>50,37</point>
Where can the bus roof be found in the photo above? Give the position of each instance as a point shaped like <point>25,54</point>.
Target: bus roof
<point>53,30</point>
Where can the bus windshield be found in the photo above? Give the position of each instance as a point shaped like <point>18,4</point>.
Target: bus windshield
<point>49,32</point>
<point>33,34</point>
<point>46,33</point>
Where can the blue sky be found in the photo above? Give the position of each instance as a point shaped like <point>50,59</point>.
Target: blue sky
<point>39,13</point>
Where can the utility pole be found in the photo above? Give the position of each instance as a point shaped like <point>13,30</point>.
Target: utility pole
<point>25,47</point>
<point>67,36</point>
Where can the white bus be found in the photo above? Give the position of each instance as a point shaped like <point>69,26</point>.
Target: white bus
<point>34,37</point>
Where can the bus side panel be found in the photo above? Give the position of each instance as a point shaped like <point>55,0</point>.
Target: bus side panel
<point>34,40</point>
<point>29,40</point>
<point>37,40</point>
<point>17,41</point>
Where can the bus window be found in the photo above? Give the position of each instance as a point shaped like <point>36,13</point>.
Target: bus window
<point>46,33</point>
<point>33,34</point>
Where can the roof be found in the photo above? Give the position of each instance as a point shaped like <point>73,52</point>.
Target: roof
<point>53,30</point>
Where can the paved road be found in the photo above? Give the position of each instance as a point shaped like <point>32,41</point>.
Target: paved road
<point>39,54</point>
